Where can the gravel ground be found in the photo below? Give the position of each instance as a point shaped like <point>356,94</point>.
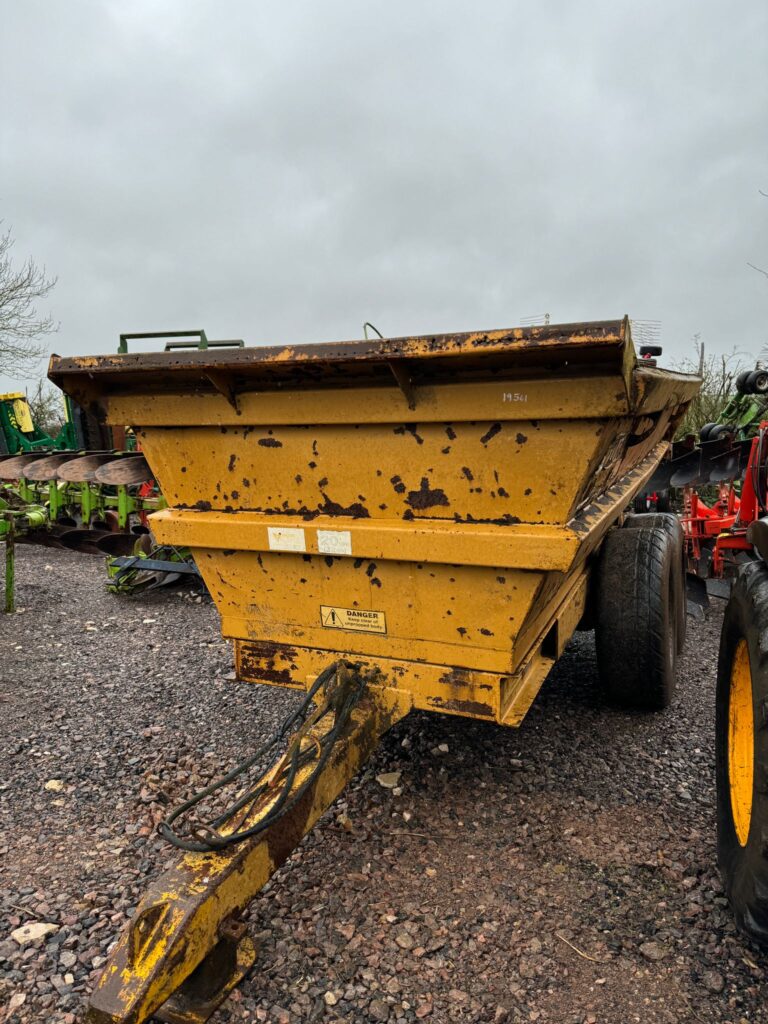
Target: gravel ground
<point>562,872</point>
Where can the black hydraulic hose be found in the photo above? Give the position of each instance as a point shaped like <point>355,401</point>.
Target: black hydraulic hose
<point>207,836</point>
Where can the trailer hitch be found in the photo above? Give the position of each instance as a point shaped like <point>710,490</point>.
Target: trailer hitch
<point>186,947</point>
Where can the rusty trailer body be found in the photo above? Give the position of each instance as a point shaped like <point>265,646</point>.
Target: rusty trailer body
<point>428,504</point>
<point>428,510</point>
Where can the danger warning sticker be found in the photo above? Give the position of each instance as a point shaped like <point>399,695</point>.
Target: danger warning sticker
<point>358,619</point>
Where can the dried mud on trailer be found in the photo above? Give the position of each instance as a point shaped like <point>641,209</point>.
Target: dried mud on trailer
<point>387,525</point>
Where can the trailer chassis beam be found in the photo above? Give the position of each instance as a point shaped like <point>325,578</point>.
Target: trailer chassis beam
<point>186,947</point>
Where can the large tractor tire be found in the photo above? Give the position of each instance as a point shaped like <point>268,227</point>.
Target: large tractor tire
<point>635,617</point>
<point>670,523</point>
<point>741,745</point>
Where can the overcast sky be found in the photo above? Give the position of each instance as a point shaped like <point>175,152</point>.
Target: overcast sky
<point>284,171</point>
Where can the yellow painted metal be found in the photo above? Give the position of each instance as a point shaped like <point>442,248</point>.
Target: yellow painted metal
<point>423,502</point>
<point>21,411</point>
<point>178,922</point>
<point>741,742</point>
<point>427,508</point>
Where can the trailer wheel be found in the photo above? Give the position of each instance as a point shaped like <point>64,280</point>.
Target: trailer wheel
<point>671,524</point>
<point>741,747</point>
<point>636,626</point>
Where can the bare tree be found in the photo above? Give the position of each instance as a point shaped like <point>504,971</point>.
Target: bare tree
<point>46,404</point>
<point>718,372</point>
<point>21,326</point>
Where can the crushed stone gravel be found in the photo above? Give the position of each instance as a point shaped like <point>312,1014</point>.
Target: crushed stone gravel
<point>563,872</point>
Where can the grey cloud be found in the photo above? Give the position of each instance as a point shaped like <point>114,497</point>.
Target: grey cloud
<point>282,172</point>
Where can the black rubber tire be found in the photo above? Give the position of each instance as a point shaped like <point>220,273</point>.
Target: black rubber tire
<point>670,523</point>
<point>704,432</point>
<point>636,628</point>
<point>720,430</point>
<point>741,381</point>
<point>757,382</point>
<point>745,868</point>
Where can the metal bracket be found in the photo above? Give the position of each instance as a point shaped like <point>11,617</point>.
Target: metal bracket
<point>196,1000</point>
<point>401,375</point>
<point>122,348</point>
<point>223,384</point>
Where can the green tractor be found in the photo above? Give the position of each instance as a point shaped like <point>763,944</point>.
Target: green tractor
<point>19,434</point>
<point>744,411</point>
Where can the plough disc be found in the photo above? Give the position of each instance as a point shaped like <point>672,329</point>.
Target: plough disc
<point>82,469</point>
<point>46,468</point>
<point>13,468</point>
<point>130,469</point>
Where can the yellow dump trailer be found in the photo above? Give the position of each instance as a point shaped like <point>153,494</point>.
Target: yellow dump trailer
<point>432,518</point>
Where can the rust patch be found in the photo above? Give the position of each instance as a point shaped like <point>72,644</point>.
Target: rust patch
<point>490,433</point>
<point>410,428</point>
<point>521,438</point>
<point>506,520</point>
<point>426,497</point>
<point>398,484</point>
<point>455,676</point>
<point>475,708</point>
<point>270,442</point>
<point>467,472</point>
<point>231,463</point>
<point>451,433</point>
<point>260,659</point>
<point>332,508</point>
<point>284,836</point>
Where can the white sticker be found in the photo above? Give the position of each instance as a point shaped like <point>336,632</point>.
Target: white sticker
<point>358,620</point>
<point>286,538</point>
<point>334,542</point>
